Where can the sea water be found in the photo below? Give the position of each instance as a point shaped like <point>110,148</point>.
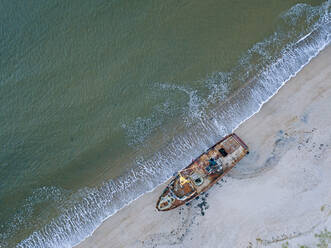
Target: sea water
<point>101,101</point>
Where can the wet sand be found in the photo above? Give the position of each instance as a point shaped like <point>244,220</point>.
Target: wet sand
<point>280,192</point>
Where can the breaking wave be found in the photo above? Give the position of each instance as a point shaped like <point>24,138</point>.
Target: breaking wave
<point>261,73</point>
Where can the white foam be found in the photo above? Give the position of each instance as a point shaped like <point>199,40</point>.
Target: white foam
<point>304,37</point>
<point>76,223</point>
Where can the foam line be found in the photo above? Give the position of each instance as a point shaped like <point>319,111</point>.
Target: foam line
<point>98,204</point>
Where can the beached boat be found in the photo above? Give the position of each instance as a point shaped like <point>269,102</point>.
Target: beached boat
<point>202,173</point>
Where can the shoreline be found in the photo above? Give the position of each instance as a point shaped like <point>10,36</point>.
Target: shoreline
<point>149,227</point>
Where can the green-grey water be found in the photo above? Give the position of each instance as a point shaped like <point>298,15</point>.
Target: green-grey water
<point>100,101</point>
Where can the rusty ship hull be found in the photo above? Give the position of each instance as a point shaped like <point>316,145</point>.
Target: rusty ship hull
<point>202,173</point>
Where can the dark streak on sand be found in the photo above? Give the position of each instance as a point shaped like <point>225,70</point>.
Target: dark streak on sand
<point>203,205</point>
<point>188,217</point>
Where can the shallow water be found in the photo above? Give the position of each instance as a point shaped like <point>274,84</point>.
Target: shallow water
<point>102,101</point>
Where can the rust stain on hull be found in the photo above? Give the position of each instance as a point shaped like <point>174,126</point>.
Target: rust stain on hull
<point>202,173</point>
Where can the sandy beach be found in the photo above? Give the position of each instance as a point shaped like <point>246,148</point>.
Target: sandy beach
<point>278,195</point>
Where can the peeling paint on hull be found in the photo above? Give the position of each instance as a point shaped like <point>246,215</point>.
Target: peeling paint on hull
<point>202,173</point>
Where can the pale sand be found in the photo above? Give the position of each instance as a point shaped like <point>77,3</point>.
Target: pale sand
<point>280,192</point>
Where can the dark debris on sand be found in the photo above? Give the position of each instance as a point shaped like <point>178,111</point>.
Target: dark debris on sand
<point>202,205</point>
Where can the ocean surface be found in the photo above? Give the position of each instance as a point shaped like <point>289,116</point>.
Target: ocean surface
<point>101,101</point>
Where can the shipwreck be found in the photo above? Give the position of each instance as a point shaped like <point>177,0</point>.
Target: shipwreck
<point>202,173</point>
